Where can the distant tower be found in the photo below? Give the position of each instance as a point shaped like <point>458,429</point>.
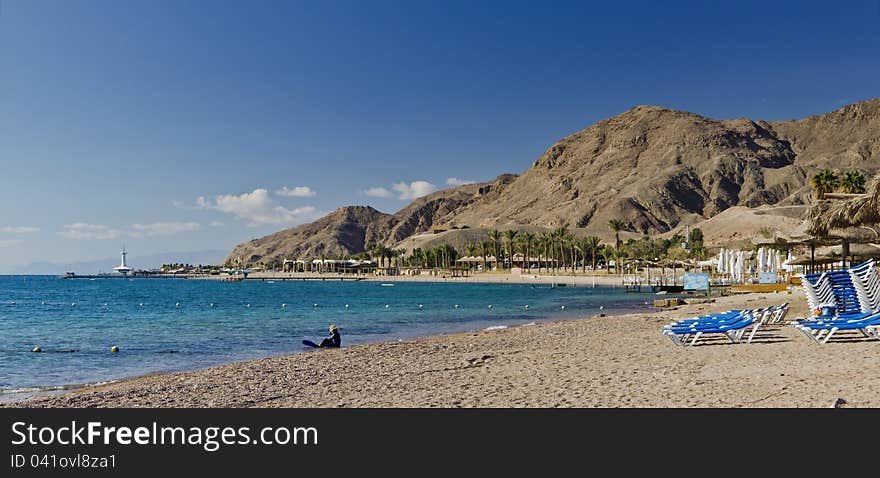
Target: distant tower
<point>123,268</point>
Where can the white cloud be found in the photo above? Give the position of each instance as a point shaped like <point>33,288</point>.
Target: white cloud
<point>257,208</point>
<point>162,228</point>
<point>299,191</point>
<point>10,242</point>
<point>19,229</point>
<point>217,224</point>
<point>379,192</point>
<point>85,231</point>
<point>403,191</point>
<point>458,182</point>
<point>415,189</point>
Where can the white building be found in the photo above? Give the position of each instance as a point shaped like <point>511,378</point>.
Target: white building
<point>123,268</point>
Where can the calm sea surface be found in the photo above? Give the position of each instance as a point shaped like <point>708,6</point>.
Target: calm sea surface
<point>170,324</point>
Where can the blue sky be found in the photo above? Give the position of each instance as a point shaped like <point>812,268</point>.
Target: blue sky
<point>192,125</point>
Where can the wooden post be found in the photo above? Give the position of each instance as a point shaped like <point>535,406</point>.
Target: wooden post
<point>812,257</point>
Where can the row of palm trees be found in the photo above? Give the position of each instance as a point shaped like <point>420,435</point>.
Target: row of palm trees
<point>552,250</point>
<point>380,252</point>
<point>555,250</point>
<point>827,181</point>
<point>558,249</point>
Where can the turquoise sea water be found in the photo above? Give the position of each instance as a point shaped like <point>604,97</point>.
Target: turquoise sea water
<point>76,321</point>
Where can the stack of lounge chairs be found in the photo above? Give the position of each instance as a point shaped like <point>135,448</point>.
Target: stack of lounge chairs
<point>854,296</point>
<point>734,324</point>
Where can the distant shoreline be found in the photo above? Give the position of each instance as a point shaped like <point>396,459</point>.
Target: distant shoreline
<point>478,278</point>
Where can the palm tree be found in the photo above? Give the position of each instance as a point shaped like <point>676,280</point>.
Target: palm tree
<point>579,246</point>
<point>547,244</point>
<point>853,182</point>
<point>527,238</point>
<point>591,245</point>
<point>371,250</point>
<point>447,255</point>
<point>484,250</point>
<point>400,253</point>
<point>569,239</point>
<point>385,253</point>
<point>616,225</point>
<point>510,236</point>
<point>611,252</point>
<point>495,236</point>
<point>470,250</point>
<point>824,182</point>
<point>559,244</point>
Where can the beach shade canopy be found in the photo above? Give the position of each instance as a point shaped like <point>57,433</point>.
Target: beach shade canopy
<point>798,237</point>
<point>677,263</point>
<point>855,250</point>
<point>862,211</point>
<point>805,261</point>
<point>469,259</point>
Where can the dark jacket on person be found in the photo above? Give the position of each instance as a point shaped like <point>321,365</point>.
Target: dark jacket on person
<point>333,341</point>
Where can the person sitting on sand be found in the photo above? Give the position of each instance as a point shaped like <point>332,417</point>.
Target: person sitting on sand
<point>334,340</point>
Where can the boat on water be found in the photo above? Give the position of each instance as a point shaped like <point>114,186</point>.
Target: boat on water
<point>387,285</point>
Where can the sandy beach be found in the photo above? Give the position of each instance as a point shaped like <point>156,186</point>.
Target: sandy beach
<point>613,361</point>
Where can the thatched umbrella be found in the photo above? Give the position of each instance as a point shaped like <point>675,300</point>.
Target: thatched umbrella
<point>852,221</point>
<point>863,251</point>
<point>861,211</point>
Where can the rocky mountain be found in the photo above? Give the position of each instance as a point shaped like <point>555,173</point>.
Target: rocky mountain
<point>350,229</point>
<point>652,167</point>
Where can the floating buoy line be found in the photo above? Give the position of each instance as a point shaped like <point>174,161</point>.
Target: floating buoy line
<point>284,305</point>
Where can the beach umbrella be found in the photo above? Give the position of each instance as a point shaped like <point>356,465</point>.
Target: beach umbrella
<point>738,266</point>
<point>730,261</point>
<point>859,211</point>
<point>787,264</point>
<point>731,266</point>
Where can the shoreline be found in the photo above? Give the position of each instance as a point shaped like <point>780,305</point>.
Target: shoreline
<point>12,396</point>
<point>498,277</point>
<point>612,361</point>
<point>416,331</point>
<point>477,278</point>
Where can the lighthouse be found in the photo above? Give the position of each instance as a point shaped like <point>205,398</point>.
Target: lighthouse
<point>123,268</point>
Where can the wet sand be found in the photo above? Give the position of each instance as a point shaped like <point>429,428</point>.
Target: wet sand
<point>614,361</point>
